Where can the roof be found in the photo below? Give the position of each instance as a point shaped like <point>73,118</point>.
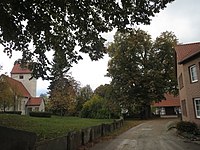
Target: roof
<point>34,101</point>
<point>186,51</point>
<point>17,69</point>
<point>17,85</point>
<point>169,102</point>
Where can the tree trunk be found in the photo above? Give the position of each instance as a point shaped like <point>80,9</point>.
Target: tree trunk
<point>146,112</point>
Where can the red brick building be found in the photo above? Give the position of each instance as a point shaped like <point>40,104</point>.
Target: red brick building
<point>188,75</point>
<point>169,106</point>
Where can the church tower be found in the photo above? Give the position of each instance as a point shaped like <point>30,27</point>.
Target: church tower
<point>23,75</point>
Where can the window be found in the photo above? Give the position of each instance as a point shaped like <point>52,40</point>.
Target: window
<point>197,107</point>
<point>21,77</point>
<point>180,80</point>
<point>184,109</point>
<point>193,73</point>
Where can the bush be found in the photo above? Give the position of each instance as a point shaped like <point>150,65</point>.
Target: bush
<point>95,108</point>
<point>12,112</point>
<point>188,127</point>
<point>40,114</point>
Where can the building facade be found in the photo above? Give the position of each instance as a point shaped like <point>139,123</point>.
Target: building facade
<point>170,106</point>
<point>23,90</point>
<point>24,76</point>
<point>188,75</point>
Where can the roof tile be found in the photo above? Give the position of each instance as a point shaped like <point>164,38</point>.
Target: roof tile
<point>17,69</point>
<point>34,101</point>
<point>169,102</point>
<point>17,85</point>
<point>185,51</point>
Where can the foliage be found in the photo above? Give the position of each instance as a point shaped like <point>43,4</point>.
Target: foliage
<point>10,95</point>
<point>105,91</point>
<point>47,128</point>
<point>63,96</point>
<point>63,88</point>
<point>6,95</point>
<point>84,94</point>
<point>61,25</point>
<point>165,62</point>
<point>186,126</point>
<point>95,108</point>
<point>12,112</point>
<point>141,70</point>
<point>40,114</point>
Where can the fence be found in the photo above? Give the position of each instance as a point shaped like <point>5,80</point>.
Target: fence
<point>12,139</point>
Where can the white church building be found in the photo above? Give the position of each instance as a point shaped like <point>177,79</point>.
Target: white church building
<point>24,89</point>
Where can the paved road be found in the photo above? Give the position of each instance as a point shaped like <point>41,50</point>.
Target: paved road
<point>152,135</point>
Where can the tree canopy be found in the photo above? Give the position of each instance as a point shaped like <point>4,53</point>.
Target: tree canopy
<point>84,94</point>
<point>142,70</point>
<point>61,25</point>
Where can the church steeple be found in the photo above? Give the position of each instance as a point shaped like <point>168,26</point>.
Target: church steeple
<point>23,75</point>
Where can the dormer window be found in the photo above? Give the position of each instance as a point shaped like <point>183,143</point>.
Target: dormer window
<point>193,73</point>
<point>21,77</point>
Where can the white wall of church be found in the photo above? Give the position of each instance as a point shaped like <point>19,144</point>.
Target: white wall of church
<point>30,85</point>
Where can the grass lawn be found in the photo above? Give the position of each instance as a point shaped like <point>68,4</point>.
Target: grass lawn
<point>47,128</point>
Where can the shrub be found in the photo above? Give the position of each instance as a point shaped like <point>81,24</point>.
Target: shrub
<point>188,127</point>
<point>40,114</point>
<point>12,112</point>
<point>95,108</point>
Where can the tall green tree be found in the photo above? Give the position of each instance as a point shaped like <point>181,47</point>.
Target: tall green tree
<point>60,25</point>
<point>165,61</point>
<point>84,94</point>
<point>141,70</point>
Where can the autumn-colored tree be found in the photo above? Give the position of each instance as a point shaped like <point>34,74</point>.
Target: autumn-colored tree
<point>63,88</point>
<point>9,92</point>
<point>63,97</point>
<point>6,94</point>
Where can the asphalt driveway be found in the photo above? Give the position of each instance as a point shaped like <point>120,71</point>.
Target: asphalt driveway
<point>151,135</point>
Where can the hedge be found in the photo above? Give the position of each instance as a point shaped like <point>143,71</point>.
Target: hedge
<point>40,114</point>
<point>11,112</point>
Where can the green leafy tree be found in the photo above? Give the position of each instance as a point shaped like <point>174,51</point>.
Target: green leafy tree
<point>141,70</point>
<point>95,108</point>
<point>60,25</point>
<point>106,92</point>
<point>84,94</point>
<point>165,61</point>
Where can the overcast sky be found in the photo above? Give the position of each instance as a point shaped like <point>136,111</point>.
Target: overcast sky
<point>181,17</point>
